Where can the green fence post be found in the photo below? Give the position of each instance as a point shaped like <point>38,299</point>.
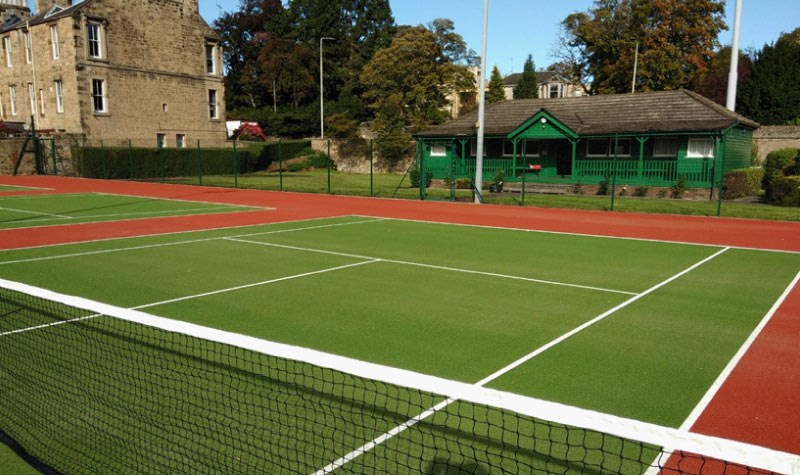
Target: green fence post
<point>235,166</point>
<point>199,164</point>
<point>329,166</point>
<point>130,159</point>
<point>524,174</point>
<point>280,164</point>
<point>371,169</point>
<point>614,172</point>
<point>161,160</point>
<point>103,158</point>
<point>53,155</point>
<point>721,152</point>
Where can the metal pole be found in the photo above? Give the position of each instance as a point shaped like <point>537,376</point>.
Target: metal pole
<point>321,91</point>
<point>481,105</point>
<point>329,166</point>
<point>371,168</point>
<point>280,165</point>
<point>635,67</point>
<point>733,74</point>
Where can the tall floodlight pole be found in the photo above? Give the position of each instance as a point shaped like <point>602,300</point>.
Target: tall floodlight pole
<point>733,75</point>
<point>481,106</point>
<point>322,90</point>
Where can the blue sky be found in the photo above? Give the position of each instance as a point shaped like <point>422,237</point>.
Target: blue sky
<point>518,28</point>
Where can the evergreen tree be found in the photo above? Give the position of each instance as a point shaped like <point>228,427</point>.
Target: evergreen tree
<point>771,95</point>
<point>497,90</point>
<point>527,87</point>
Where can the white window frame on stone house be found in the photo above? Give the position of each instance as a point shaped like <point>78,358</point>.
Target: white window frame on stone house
<point>99,96</point>
<point>7,50</point>
<point>28,47</point>
<point>2,107</point>
<point>212,65</point>
<point>180,140</point>
<point>700,148</point>
<point>59,89</point>
<point>95,37</point>
<point>12,98</point>
<point>32,97</point>
<point>54,41</point>
<point>213,104</point>
<point>161,140</point>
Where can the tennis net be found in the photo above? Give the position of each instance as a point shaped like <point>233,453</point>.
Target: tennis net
<point>92,388</point>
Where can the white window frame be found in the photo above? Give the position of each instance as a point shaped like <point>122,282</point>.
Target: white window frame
<point>161,140</point>
<point>41,102</point>
<point>707,150</point>
<point>180,140</point>
<point>12,98</point>
<point>102,96</point>
<point>213,104</point>
<point>56,48</point>
<point>28,47</point>
<point>32,97</point>
<point>211,59</point>
<point>607,148</point>
<point>438,151</point>
<point>59,89</point>
<point>7,49</point>
<point>665,147</point>
<point>557,90</point>
<point>94,40</point>
<point>2,107</point>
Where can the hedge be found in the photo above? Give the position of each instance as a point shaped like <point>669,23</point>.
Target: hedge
<point>144,163</point>
<point>776,163</point>
<point>742,182</point>
<point>785,191</point>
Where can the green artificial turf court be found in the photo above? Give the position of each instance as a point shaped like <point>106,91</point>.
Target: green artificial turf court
<point>458,302</point>
<point>48,210</point>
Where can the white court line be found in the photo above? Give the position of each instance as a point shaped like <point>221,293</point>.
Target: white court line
<point>601,236</point>
<point>196,296</point>
<point>37,213</point>
<point>177,243</point>
<point>340,462</point>
<point>430,266</point>
<point>138,213</point>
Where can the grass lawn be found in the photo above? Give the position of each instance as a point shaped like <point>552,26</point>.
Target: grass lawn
<point>397,185</point>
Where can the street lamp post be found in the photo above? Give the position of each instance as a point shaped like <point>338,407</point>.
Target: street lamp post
<point>322,90</point>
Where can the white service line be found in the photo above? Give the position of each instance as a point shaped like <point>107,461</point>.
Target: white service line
<point>431,266</point>
<point>37,213</point>
<point>340,462</point>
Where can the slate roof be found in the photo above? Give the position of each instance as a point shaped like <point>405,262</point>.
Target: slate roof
<point>542,77</point>
<point>50,14</point>
<point>641,113</point>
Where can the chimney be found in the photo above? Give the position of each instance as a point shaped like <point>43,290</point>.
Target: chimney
<point>44,5</point>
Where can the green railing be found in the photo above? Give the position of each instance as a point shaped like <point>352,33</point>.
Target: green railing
<point>695,172</point>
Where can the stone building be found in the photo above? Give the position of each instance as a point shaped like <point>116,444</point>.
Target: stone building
<point>113,70</point>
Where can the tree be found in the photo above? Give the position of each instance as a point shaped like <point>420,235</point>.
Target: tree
<point>527,87</point>
<point>497,90</point>
<point>453,45</point>
<point>771,95</point>
<point>676,41</point>
<point>713,83</point>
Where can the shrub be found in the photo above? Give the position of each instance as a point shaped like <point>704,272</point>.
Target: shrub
<point>577,189</point>
<point>603,186</point>
<point>776,163</point>
<point>414,177</point>
<point>785,191</point>
<point>742,182</point>
<point>464,184</point>
<point>250,132</point>
<point>640,191</point>
<point>678,189</point>
<point>662,193</point>
<point>500,176</point>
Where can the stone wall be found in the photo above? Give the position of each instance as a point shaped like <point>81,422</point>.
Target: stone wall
<point>10,149</point>
<point>773,137</point>
<point>354,157</point>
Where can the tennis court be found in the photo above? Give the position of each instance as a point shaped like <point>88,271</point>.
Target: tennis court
<point>635,328</point>
<point>53,209</point>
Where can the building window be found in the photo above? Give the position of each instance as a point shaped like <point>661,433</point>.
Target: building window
<point>32,97</point>
<point>12,97</point>
<point>161,140</point>
<point>555,91</point>
<point>180,140</point>
<point>597,148</point>
<point>508,148</point>
<point>54,41</point>
<point>28,51</point>
<point>532,148</point>
<point>213,106</point>
<point>438,151</point>
<point>99,100</point>
<point>2,108</point>
<point>665,147</point>
<point>59,86</point>
<point>700,148</point>
<point>623,147</point>
<point>94,39</point>
<point>211,59</point>
<point>7,49</point>
<point>41,102</point>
